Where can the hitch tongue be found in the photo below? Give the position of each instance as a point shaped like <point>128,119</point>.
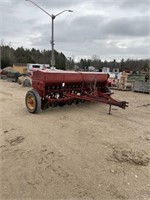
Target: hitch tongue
<point>124,104</point>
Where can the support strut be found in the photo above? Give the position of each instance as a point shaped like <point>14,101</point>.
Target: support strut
<point>109,109</point>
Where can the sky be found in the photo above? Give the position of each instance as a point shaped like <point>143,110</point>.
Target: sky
<point>105,29</point>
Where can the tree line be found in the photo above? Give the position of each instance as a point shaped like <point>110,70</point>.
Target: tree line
<point>9,56</point>
<point>128,64</point>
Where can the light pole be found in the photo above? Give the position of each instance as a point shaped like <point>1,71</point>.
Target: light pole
<point>52,40</point>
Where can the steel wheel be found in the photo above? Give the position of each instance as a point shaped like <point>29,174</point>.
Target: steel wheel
<point>33,101</point>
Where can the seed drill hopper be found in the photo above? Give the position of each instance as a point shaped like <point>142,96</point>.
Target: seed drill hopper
<point>58,88</point>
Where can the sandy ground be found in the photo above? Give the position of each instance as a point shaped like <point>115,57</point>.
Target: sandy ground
<point>74,152</point>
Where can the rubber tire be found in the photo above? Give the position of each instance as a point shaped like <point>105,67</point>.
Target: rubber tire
<point>37,98</point>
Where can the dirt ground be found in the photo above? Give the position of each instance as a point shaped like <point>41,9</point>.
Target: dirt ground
<point>74,152</point>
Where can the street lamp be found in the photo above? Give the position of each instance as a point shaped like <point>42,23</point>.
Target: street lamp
<point>52,17</point>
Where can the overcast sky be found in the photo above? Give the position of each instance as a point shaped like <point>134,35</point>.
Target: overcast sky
<point>109,29</point>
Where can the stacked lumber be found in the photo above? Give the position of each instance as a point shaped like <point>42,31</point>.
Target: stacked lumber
<point>122,83</point>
